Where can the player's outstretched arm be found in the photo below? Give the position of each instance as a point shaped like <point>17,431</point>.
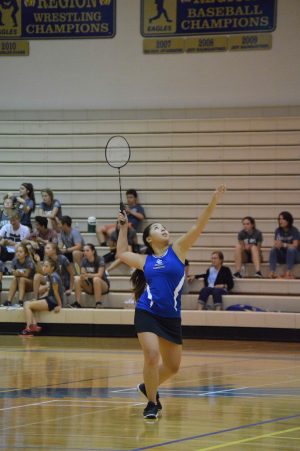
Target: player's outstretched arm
<point>131,259</point>
<point>185,242</point>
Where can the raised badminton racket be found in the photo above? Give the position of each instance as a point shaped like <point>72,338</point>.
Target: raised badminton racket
<point>117,154</point>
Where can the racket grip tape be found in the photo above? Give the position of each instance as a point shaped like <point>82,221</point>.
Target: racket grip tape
<point>122,210</point>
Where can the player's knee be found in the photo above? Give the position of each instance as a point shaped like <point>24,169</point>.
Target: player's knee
<point>173,367</point>
<point>96,281</point>
<point>27,305</point>
<point>152,357</point>
<point>291,251</point>
<point>37,276</point>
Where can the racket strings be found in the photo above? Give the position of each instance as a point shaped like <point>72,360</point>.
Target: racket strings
<point>117,152</point>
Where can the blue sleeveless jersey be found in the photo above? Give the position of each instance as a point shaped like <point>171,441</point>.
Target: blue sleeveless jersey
<point>164,277</point>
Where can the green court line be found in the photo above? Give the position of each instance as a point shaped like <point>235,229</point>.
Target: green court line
<point>249,439</point>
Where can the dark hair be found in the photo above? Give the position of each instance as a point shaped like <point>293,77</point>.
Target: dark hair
<point>30,189</point>
<point>219,254</point>
<point>96,256</point>
<point>251,220</point>
<point>12,197</point>
<point>66,220</point>
<point>53,263</point>
<point>138,277</point>
<point>41,220</point>
<point>49,192</point>
<point>133,192</point>
<point>287,217</point>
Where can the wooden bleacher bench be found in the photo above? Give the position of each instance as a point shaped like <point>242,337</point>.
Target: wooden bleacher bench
<point>175,164</point>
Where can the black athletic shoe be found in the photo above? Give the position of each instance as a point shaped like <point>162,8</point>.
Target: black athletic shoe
<point>258,275</point>
<point>76,305</point>
<point>151,411</point>
<point>7,304</point>
<point>237,275</point>
<point>142,389</point>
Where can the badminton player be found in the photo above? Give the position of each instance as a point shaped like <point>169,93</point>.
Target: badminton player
<point>157,284</point>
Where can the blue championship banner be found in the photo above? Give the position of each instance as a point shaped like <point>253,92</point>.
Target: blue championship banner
<point>57,19</point>
<point>197,17</point>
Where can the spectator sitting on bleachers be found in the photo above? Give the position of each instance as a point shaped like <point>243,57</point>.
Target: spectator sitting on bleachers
<point>64,268</point>
<point>1,276</point>
<point>135,213</point>
<point>133,246</point>
<point>248,248</point>
<point>134,210</point>
<point>41,236</point>
<point>26,203</point>
<point>71,242</point>
<point>218,280</point>
<point>286,246</point>
<point>51,209</point>
<point>23,270</point>
<point>93,279</point>
<point>11,235</point>
<point>9,201</point>
<point>51,301</point>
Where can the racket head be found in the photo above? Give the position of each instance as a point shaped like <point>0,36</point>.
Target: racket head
<point>117,151</point>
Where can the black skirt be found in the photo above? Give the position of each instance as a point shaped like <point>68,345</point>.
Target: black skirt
<point>167,328</point>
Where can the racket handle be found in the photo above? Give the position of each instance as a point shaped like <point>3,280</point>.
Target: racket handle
<point>122,210</point>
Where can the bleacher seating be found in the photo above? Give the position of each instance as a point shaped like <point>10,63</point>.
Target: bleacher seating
<point>176,163</point>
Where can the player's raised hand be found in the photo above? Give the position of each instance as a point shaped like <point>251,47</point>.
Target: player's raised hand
<point>220,190</point>
<point>122,219</point>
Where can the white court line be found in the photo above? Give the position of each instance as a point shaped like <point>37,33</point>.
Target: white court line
<point>209,393</point>
<point>247,373</point>
<point>70,403</point>
<point>104,401</point>
<point>28,405</point>
<point>51,420</point>
<point>192,393</point>
<point>93,406</point>
<point>123,390</point>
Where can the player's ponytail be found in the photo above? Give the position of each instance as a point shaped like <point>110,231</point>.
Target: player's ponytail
<point>137,277</point>
<point>138,282</point>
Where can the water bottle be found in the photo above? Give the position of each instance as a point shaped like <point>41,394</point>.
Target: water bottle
<point>91,224</point>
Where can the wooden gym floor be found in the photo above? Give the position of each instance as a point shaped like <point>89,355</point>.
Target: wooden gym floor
<point>77,394</point>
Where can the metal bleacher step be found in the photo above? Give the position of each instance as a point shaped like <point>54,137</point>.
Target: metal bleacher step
<point>220,240</point>
<point>197,267</point>
<point>232,226</point>
<point>172,182</point>
<point>121,283</point>
<point>204,318</point>
<point>96,122</point>
<point>124,300</point>
<point>203,253</point>
<point>263,293</point>
<point>180,197</point>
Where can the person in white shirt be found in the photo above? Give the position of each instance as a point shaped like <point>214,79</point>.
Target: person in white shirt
<point>10,236</point>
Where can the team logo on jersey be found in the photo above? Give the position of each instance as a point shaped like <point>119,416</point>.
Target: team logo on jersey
<point>159,264</point>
